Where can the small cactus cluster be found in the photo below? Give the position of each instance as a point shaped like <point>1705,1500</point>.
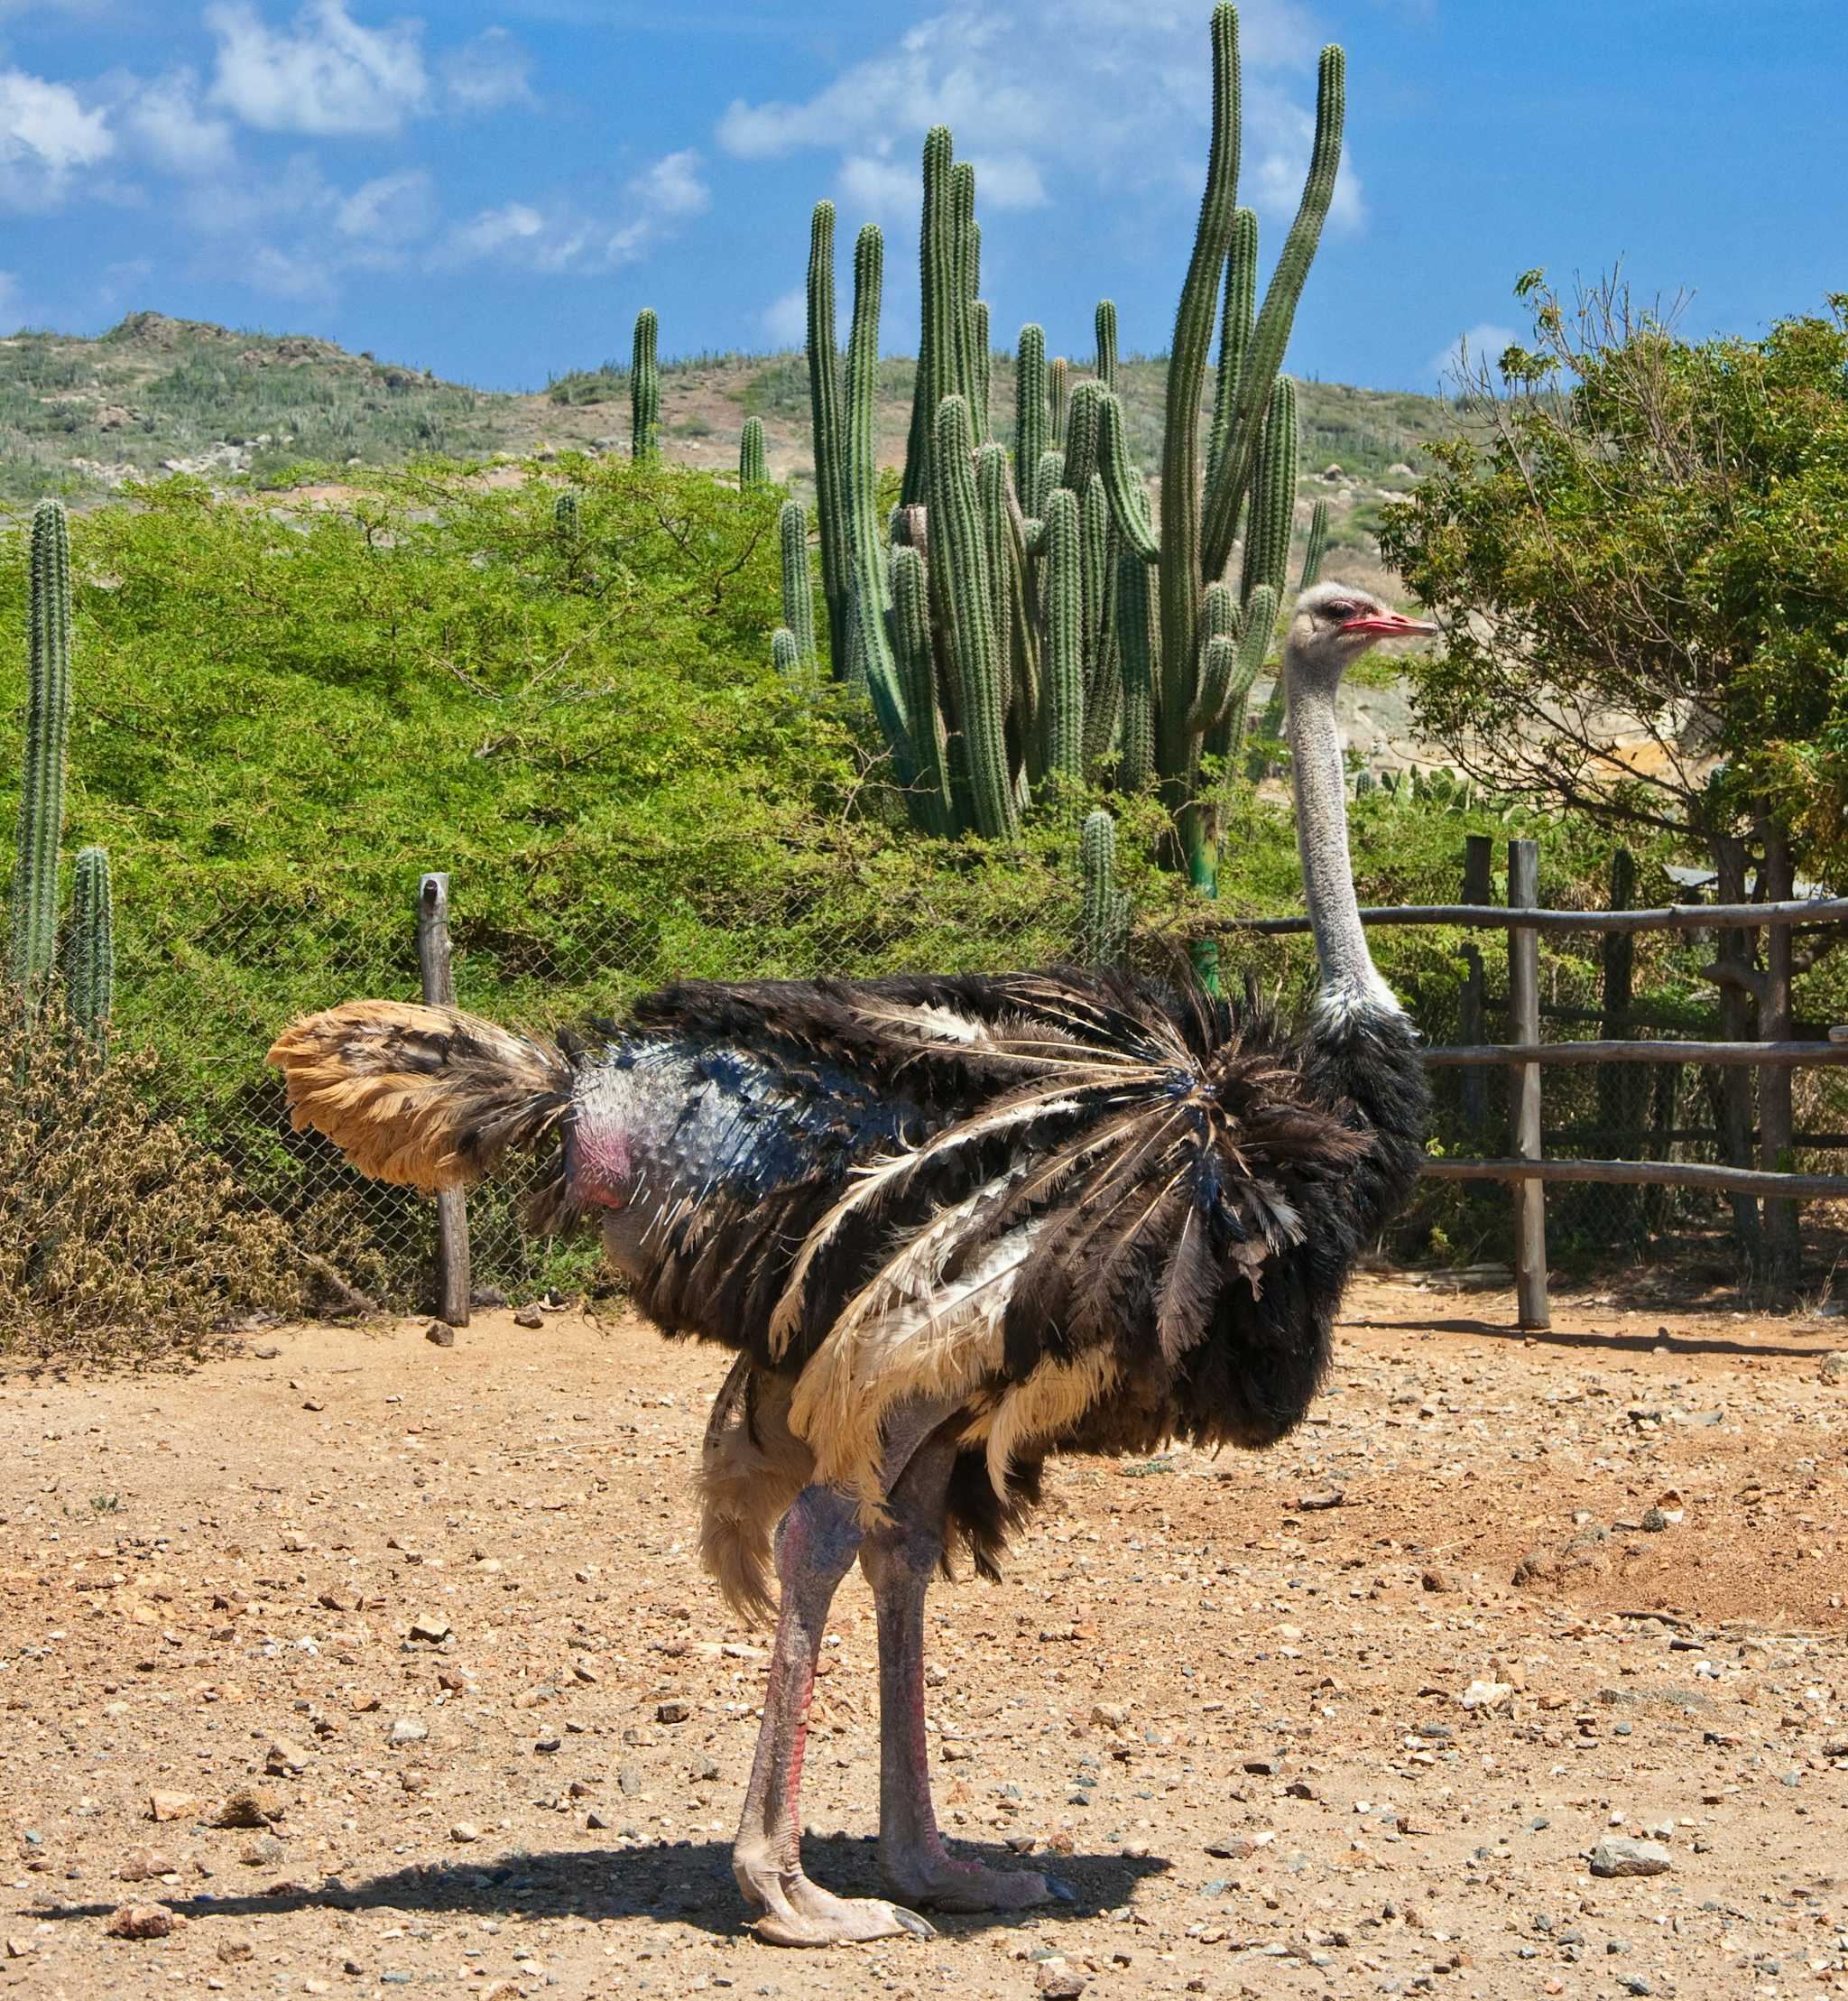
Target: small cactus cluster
<point>565,523</point>
<point>1020,624</point>
<point>1104,932</point>
<point>89,948</point>
<point>645,390</point>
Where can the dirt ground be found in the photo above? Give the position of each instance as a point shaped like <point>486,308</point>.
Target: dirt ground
<point>1347,1718</point>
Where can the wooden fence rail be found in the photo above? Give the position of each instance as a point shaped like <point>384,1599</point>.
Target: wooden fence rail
<point>1525,1055</point>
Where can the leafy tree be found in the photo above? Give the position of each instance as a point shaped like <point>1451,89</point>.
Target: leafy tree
<point>1644,565</point>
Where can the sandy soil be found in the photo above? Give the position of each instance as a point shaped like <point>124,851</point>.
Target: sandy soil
<point>1342,1721</point>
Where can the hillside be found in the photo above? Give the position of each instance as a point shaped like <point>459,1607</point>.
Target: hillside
<point>80,416</point>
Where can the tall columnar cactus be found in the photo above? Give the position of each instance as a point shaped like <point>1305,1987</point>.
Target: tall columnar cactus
<point>35,899</point>
<point>962,611</point>
<point>1316,547</point>
<point>799,583</point>
<point>89,952</point>
<point>752,470</point>
<point>1105,922</point>
<point>565,524</point>
<point>645,390</point>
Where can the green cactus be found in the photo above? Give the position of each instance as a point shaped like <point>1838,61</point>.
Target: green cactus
<point>1138,645</point>
<point>89,951</point>
<point>962,556</point>
<point>933,807</point>
<point>565,523</point>
<point>1059,391</point>
<point>34,898</point>
<point>799,582</point>
<point>830,450</point>
<point>1106,342</point>
<point>1316,547</point>
<point>786,655</point>
<point>752,470</point>
<point>1029,415</point>
<point>859,500</point>
<point>645,390</point>
<point>1104,924</point>
<point>1272,512</point>
<point>1062,595</point>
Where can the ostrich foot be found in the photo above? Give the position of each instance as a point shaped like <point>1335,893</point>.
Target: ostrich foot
<point>927,1872</point>
<point>796,1911</point>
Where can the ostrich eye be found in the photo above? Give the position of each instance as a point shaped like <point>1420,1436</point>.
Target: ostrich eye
<point>1341,614</point>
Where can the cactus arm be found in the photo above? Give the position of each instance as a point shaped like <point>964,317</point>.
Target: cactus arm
<point>1106,342</point>
<point>866,551</point>
<point>961,569</point>
<point>799,582</point>
<point>1316,547</point>
<point>90,953</point>
<point>1138,642</point>
<point>1270,335</point>
<point>1062,600</point>
<point>752,470</point>
<point>34,903</point>
<point>1030,415</point>
<point>1104,920</point>
<point>1122,484</point>
<point>1083,425</point>
<point>929,798</point>
<point>1059,389</point>
<point>565,523</point>
<point>984,361</point>
<point>1272,514</point>
<point>830,451</point>
<point>965,252</point>
<point>1234,334</point>
<point>644,389</point>
<point>786,654</point>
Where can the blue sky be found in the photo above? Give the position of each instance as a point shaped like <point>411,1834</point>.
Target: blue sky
<point>493,190</point>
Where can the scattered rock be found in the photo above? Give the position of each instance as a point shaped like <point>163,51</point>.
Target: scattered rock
<point>1231,1847</point>
<point>283,1758</point>
<point>1322,1497</point>
<point>464,1830</point>
<point>1061,1983</point>
<point>439,1334</point>
<point>251,1806</point>
<point>429,1625</point>
<point>1621,1855</point>
<point>529,1316</point>
<point>1109,1716</point>
<point>142,1921</point>
<point>408,1730</point>
<point>1485,1695</point>
<point>1442,1579</point>
<point>142,1864</point>
<point>20,1947</point>
<point>172,1806</point>
<point>1833,1367</point>
<point>673,1712</point>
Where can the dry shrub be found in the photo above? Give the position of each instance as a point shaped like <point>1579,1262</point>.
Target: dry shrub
<point>120,1237</point>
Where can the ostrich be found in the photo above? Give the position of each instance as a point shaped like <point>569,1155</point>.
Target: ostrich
<point>951,1227</point>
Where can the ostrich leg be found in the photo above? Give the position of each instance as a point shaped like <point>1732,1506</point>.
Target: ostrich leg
<point>816,1545</point>
<point>898,1561</point>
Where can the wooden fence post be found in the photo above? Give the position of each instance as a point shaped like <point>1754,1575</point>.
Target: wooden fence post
<point>1783,1239</point>
<point>1478,876</point>
<point>1524,1027</point>
<point>439,991</point>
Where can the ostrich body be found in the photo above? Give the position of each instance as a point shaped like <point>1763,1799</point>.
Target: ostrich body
<point>950,1227</point>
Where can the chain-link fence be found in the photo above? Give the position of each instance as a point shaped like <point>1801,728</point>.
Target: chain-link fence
<point>210,1003</point>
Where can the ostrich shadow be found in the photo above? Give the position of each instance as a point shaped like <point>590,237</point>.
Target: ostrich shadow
<point>686,1882</point>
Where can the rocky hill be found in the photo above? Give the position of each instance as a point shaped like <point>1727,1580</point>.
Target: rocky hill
<point>82,417</point>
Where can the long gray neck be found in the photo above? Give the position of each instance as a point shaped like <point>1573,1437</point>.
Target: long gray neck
<point>1350,980</point>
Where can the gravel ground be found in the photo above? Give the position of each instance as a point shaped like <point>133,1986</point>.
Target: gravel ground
<point>1352,1717</point>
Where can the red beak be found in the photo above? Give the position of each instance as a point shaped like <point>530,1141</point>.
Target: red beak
<point>1392,625</point>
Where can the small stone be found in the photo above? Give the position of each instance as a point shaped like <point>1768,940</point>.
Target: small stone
<point>1485,1695</point>
<point>439,1334</point>
<point>263,1853</point>
<point>464,1830</point>
<point>284,1758</point>
<point>234,1952</point>
<point>673,1712</point>
<point>408,1730</point>
<point>1440,1579</point>
<point>268,1352</point>
<point>1232,1848</point>
<point>142,1865</point>
<point>1834,1367</point>
<point>142,1921</point>
<point>630,1779</point>
<point>529,1316</point>
<point>1620,1855</point>
<point>1109,1716</point>
<point>547,1743</point>
<point>429,1625</point>
<point>1061,1983</point>
<point>172,1806</point>
<point>1654,1520</point>
<point>251,1806</point>
<point>19,1947</point>
<point>1320,1498</point>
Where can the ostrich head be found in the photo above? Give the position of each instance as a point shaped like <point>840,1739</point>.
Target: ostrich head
<point>1334,625</point>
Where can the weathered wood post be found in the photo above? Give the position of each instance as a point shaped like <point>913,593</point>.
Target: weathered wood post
<point>1776,1124</point>
<point>1620,1086</point>
<point>1478,876</point>
<point>1524,1027</point>
<point>439,991</point>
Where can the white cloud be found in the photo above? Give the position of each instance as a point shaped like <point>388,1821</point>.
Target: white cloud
<point>47,139</point>
<point>393,209</point>
<point>487,74</point>
<point>562,239</point>
<point>327,76</point>
<point>11,315</point>
<point>877,189</point>
<point>785,320</point>
<point>1101,90</point>
<point>1453,366</point>
<point>172,129</point>
<point>297,274</point>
